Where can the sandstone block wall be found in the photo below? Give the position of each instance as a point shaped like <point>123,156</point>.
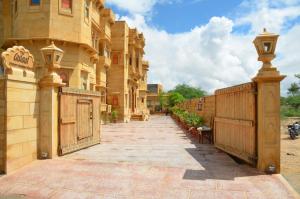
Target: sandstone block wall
<point>22,113</point>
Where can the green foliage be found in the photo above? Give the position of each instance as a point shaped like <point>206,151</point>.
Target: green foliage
<point>188,92</point>
<point>293,89</point>
<point>290,106</point>
<point>163,100</point>
<point>175,98</point>
<point>293,101</point>
<point>191,119</point>
<point>114,115</point>
<point>287,111</point>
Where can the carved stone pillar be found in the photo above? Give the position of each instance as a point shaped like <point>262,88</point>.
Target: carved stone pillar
<point>49,87</point>
<point>268,105</point>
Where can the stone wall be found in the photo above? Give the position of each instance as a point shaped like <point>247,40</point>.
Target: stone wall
<point>22,101</point>
<point>2,126</point>
<point>204,107</point>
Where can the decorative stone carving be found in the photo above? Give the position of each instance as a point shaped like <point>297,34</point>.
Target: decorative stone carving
<point>17,59</point>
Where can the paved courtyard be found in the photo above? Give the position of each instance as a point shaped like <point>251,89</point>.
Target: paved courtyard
<point>290,155</point>
<point>143,160</point>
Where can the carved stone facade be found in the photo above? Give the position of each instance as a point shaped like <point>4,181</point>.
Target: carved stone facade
<point>128,74</point>
<point>72,28</point>
<point>83,30</point>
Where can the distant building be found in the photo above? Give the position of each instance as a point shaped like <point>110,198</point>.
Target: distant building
<point>153,102</point>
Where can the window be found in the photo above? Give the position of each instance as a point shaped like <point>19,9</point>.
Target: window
<point>66,4</point>
<point>84,82</point>
<point>35,2</point>
<point>103,97</point>
<point>130,60</point>
<point>95,39</point>
<point>115,59</point>
<point>87,8</point>
<point>115,101</point>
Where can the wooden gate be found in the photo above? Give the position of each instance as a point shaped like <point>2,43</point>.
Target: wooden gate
<point>79,119</point>
<point>235,121</point>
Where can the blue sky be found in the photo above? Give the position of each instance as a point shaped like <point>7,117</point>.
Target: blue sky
<point>208,43</point>
<point>185,16</point>
<point>182,16</point>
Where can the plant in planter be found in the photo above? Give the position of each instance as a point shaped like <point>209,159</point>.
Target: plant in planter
<point>114,116</point>
<point>188,121</point>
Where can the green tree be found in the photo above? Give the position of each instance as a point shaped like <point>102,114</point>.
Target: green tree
<point>293,101</point>
<point>175,98</point>
<point>163,100</point>
<point>290,106</point>
<point>189,92</point>
<point>293,89</point>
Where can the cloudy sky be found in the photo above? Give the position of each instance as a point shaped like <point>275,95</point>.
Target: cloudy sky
<point>208,43</point>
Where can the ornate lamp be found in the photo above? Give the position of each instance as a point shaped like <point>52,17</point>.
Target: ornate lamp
<point>265,45</point>
<point>52,56</point>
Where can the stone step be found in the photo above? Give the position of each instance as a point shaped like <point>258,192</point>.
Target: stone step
<point>136,117</point>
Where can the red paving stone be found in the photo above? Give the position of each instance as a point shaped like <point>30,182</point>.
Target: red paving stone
<point>143,160</point>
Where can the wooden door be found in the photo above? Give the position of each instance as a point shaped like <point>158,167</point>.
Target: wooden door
<point>85,119</point>
<point>235,121</point>
<point>79,119</point>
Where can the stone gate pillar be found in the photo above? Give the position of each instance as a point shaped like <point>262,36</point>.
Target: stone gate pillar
<point>19,109</point>
<point>49,87</point>
<point>268,105</point>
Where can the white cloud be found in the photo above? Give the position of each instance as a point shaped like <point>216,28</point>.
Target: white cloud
<point>212,56</point>
<point>269,14</point>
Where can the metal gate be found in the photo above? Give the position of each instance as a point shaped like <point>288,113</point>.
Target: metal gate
<point>235,121</point>
<point>79,119</point>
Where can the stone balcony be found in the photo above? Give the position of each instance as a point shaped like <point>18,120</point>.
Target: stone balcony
<point>105,34</point>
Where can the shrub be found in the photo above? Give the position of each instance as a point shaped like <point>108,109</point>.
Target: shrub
<point>191,119</point>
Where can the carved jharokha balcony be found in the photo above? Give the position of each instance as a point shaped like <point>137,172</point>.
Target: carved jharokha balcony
<point>109,16</point>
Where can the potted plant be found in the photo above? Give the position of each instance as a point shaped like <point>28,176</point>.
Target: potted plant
<point>114,116</point>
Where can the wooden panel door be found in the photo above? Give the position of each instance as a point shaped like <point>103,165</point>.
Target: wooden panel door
<point>79,119</point>
<point>235,121</point>
<point>84,119</point>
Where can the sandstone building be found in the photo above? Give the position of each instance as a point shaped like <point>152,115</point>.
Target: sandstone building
<point>83,30</point>
<point>80,28</point>
<point>97,57</point>
<point>127,78</point>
